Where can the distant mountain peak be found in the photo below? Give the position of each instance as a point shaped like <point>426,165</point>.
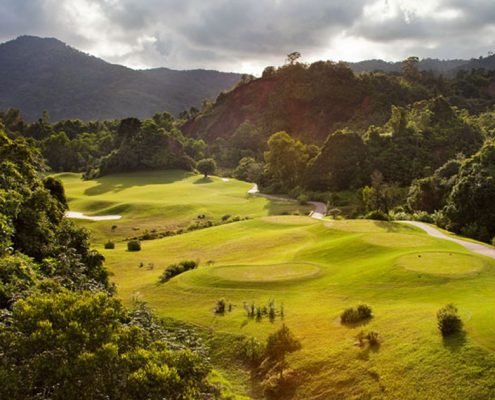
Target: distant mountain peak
<point>38,74</point>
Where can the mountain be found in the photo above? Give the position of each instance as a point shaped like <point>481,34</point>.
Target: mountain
<point>308,102</point>
<point>447,67</point>
<point>39,74</point>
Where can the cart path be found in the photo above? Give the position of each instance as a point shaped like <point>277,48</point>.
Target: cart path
<point>482,249</point>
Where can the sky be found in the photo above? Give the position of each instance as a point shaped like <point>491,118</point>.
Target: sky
<point>248,35</point>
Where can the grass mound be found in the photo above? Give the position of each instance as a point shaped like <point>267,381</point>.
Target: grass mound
<point>266,273</point>
<point>442,263</point>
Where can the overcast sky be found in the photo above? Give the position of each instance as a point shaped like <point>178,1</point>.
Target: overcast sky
<point>247,35</point>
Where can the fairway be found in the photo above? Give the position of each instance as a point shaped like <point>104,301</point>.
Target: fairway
<point>313,269</point>
<point>163,200</point>
<point>316,269</point>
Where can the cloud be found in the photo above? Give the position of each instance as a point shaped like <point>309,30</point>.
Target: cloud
<point>248,35</point>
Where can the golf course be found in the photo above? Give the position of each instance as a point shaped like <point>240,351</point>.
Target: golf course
<point>309,270</point>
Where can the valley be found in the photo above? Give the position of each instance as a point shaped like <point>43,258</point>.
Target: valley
<point>312,270</point>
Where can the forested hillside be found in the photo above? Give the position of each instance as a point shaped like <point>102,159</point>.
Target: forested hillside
<point>379,145</point>
<point>38,74</point>
<point>310,101</point>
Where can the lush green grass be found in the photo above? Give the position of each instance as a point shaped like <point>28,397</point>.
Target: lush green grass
<point>341,263</point>
<point>316,269</point>
<point>163,200</point>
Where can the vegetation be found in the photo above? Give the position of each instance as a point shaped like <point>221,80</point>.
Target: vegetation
<point>449,321</point>
<point>176,269</point>
<point>353,315</point>
<point>133,245</point>
<point>63,335</point>
<point>206,166</point>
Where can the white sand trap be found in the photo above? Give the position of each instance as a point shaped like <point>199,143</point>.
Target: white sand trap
<point>225,179</point>
<point>80,215</point>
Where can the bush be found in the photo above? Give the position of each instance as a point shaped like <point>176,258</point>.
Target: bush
<point>252,351</point>
<point>109,245</point>
<point>449,321</point>
<point>377,215</point>
<point>133,245</point>
<point>493,241</point>
<point>220,307</point>
<point>302,199</point>
<point>225,217</point>
<point>176,269</point>
<point>353,315</point>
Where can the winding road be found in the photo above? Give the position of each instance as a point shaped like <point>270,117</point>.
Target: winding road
<point>474,247</point>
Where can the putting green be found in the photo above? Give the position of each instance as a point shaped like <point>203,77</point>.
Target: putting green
<point>442,263</point>
<point>266,273</point>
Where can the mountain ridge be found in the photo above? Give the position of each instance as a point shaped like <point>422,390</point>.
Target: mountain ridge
<point>39,74</point>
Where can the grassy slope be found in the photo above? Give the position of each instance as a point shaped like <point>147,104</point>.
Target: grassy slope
<point>330,265</point>
<point>162,200</point>
<point>358,261</point>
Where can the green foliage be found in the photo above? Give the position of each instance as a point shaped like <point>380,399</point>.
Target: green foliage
<point>17,275</point>
<point>280,343</point>
<point>449,321</point>
<point>286,161</point>
<point>248,170</point>
<point>342,163</point>
<point>133,245</point>
<point>109,245</point>
<point>377,215</point>
<point>220,307</point>
<point>469,206</point>
<point>353,315</point>
<point>144,146</point>
<point>69,345</point>
<point>206,166</point>
<point>177,269</point>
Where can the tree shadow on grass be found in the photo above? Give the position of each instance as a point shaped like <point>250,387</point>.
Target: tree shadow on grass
<point>118,182</point>
<point>203,180</point>
<point>356,324</point>
<point>455,342</point>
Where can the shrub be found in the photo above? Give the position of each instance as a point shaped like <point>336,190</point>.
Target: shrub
<point>377,215</point>
<point>176,269</point>
<point>372,337</point>
<point>449,321</point>
<point>302,199</point>
<point>109,245</point>
<point>280,343</point>
<point>225,217</point>
<point>252,351</point>
<point>353,315</point>
<point>493,241</point>
<point>134,245</point>
<point>220,307</point>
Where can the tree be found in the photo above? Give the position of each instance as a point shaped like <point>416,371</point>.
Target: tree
<point>248,170</point>
<point>293,57</point>
<point>77,345</point>
<point>280,343</point>
<point>410,69</point>
<point>469,206</point>
<point>341,163</point>
<point>286,160</point>
<point>207,166</point>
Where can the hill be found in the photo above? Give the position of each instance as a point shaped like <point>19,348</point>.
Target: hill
<point>307,101</point>
<point>426,64</point>
<point>38,74</point>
